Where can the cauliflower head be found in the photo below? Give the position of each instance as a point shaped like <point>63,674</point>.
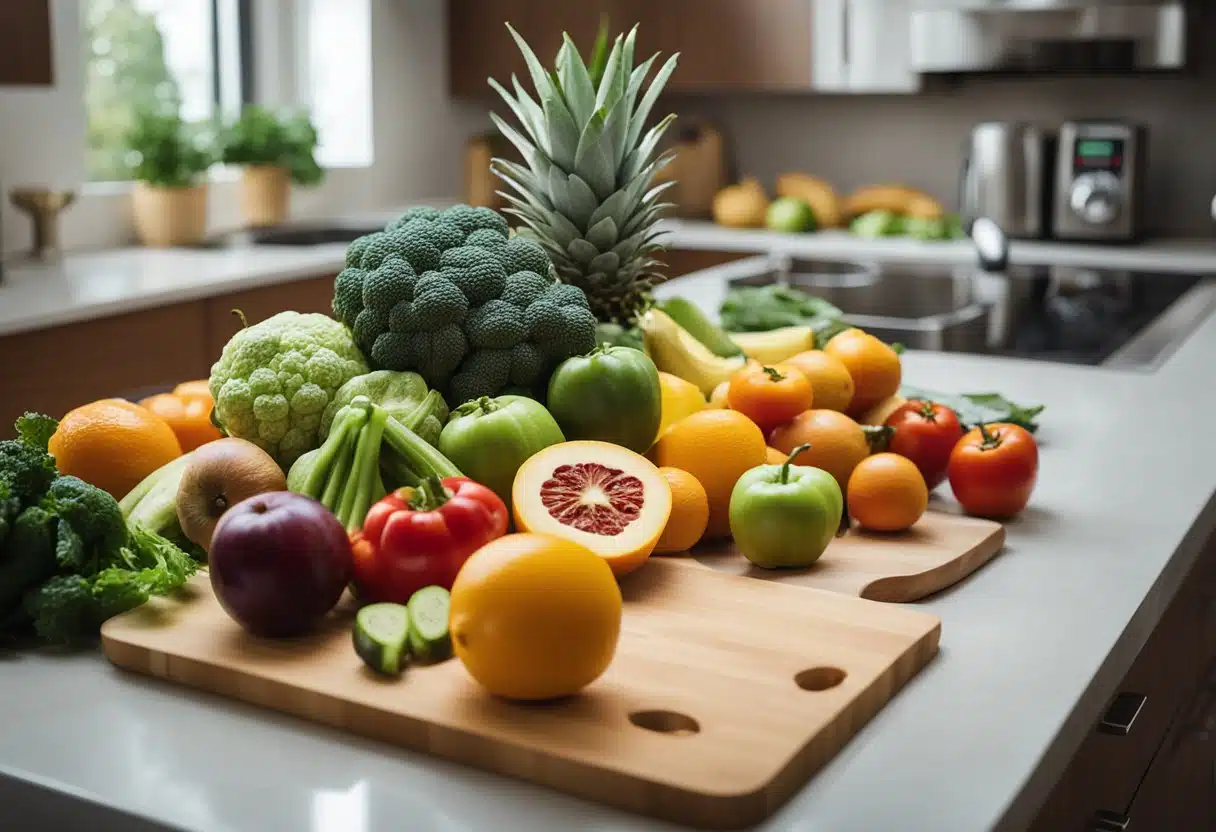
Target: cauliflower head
<point>449,295</point>
<point>275,378</point>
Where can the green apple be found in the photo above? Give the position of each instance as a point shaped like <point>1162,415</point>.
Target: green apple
<point>790,213</point>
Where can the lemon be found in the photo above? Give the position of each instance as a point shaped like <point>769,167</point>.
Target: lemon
<point>679,398</point>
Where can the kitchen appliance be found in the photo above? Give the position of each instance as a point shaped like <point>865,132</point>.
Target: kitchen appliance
<point>1099,181</point>
<point>1047,36</point>
<point>699,169</point>
<point>1004,178</point>
<point>661,733</point>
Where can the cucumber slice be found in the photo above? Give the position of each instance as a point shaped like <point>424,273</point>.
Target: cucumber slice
<point>382,636</point>
<point>429,638</point>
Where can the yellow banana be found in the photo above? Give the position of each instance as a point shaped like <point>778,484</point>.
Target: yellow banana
<point>675,351</point>
<point>776,345</point>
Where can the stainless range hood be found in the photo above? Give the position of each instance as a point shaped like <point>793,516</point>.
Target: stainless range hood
<point>1047,36</point>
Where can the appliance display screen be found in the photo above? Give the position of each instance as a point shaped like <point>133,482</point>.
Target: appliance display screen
<point>1098,154</point>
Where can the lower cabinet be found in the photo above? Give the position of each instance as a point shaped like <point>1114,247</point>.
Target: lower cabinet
<point>1150,762</point>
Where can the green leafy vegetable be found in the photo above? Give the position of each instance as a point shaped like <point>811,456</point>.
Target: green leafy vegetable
<point>761,308</point>
<point>68,559</point>
<point>980,408</point>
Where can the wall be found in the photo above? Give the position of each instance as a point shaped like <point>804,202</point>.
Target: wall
<point>418,131</point>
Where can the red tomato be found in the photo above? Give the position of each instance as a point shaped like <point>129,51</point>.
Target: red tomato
<point>993,470</point>
<point>925,433</point>
<point>417,537</point>
<point>769,396</point>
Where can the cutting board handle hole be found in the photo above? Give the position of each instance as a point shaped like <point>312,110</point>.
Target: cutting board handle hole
<point>665,722</point>
<point>819,678</point>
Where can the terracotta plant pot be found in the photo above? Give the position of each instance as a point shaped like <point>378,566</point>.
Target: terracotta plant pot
<point>265,192</point>
<point>170,216</point>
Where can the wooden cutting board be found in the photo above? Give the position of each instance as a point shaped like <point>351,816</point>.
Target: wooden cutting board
<point>725,695</point>
<point>939,551</point>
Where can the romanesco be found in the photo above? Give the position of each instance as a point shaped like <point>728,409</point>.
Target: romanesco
<point>275,378</point>
<point>447,295</point>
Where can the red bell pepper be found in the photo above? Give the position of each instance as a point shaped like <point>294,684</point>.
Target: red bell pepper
<point>418,537</point>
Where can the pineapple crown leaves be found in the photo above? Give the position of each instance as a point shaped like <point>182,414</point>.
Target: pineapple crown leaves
<point>584,190</point>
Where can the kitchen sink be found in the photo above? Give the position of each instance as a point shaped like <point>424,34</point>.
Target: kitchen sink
<point>1115,318</point>
<point>294,234</point>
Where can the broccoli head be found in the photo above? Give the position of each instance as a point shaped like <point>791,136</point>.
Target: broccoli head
<point>447,295</point>
<point>275,378</point>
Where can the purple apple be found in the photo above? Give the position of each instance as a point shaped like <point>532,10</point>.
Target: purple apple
<point>279,562</point>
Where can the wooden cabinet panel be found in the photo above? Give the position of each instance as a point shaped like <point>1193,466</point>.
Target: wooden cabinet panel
<point>312,295</point>
<point>25,43</point>
<point>53,370</point>
<point>723,44</point>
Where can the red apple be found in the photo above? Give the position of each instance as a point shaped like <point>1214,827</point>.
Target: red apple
<point>279,562</point>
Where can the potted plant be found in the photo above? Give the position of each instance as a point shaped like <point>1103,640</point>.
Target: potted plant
<point>275,151</point>
<point>170,197</point>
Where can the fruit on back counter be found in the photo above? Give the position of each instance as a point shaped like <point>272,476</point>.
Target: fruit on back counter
<point>785,515</point>
<point>68,559</point>
<point>113,444</point>
<point>418,537</point>
<point>610,395</point>
<point>216,477</point>
<point>279,562</point>
<point>488,439</point>
<point>600,495</point>
<point>447,295</point>
<point>274,380</point>
<point>789,214</point>
<point>819,195</point>
<point>744,205</point>
<point>535,617</point>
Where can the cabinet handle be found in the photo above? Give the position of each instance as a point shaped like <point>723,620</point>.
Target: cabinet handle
<point>1107,821</point>
<point>1122,713</point>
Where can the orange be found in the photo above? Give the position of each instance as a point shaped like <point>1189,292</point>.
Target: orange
<point>716,447</point>
<point>679,399</point>
<point>600,495</point>
<point>873,366</point>
<point>199,387</point>
<point>113,444</point>
<point>774,457</point>
<point>534,616</point>
<point>828,376</point>
<point>189,414</point>
<point>887,493</point>
<point>837,442</point>
<point>689,512</point>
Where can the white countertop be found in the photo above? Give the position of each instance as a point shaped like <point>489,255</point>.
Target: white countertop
<point>89,285</point>
<point>1032,647</point>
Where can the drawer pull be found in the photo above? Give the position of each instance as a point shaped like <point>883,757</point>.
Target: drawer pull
<point>1122,713</point>
<point>1107,821</point>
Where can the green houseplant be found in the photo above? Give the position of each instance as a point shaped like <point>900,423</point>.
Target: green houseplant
<point>170,197</point>
<point>275,150</point>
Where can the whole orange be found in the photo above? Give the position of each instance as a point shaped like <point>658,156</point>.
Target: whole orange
<point>716,447</point>
<point>113,444</point>
<point>198,387</point>
<point>534,616</point>
<point>189,415</point>
<point>887,493</point>
<point>689,512</point>
<point>837,443</point>
<point>873,366</point>
<point>774,457</point>
<point>829,378</point>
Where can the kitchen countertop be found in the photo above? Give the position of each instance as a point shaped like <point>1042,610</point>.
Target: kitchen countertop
<point>1033,646</point>
<point>94,284</point>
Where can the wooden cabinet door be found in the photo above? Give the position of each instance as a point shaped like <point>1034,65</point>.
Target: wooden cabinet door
<point>757,45</point>
<point>480,47</point>
<point>25,43</point>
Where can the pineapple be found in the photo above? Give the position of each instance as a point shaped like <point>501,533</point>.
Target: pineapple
<point>585,191</point>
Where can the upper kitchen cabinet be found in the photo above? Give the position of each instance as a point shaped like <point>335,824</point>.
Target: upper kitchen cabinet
<point>740,46</point>
<point>25,43</point>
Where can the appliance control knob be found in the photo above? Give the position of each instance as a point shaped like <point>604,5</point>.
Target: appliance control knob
<point>1096,197</point>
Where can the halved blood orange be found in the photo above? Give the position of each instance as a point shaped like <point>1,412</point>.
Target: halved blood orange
<point>606,497</point>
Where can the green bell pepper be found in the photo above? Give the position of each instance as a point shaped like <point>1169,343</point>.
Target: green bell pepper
<point>611,394</point>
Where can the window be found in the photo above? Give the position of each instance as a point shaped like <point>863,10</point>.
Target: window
<point>337,80</point>
<point>147,53</point>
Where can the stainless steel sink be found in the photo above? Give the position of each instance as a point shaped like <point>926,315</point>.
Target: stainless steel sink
<point>294,234</point>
